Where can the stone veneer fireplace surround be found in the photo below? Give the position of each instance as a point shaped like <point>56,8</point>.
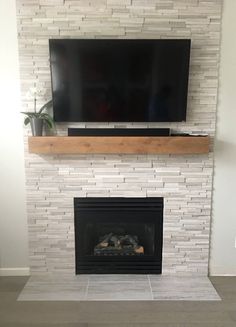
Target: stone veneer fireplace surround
<point>184,181</point>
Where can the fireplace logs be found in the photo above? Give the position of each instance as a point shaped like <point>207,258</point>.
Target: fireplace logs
<point>112,244</point>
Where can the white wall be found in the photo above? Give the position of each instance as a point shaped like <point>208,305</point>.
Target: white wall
<point>13,231</point>
<point>223,254</point>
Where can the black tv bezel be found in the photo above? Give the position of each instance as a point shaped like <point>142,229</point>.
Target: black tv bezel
<point>188,46</point>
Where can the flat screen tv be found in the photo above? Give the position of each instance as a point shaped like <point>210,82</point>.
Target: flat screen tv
<point>119,80</point>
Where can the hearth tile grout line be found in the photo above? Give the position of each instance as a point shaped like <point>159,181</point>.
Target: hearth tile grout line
<point>150,285</point>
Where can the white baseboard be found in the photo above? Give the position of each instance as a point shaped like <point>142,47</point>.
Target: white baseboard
<point>15,271</point>
<point>222,271</point>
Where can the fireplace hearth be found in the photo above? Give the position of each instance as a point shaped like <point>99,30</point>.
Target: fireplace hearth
<point>118,235</point>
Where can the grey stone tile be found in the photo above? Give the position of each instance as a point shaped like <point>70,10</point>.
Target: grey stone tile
<point>183,288</point>
<point>59,279</point>
<point>50,293</point>
<point>114,291</point>
<point>49,289</point>
<point>118,278</point>
<point>118,287</point>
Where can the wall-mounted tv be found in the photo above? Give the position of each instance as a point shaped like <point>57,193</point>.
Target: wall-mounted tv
<point>119,80</point>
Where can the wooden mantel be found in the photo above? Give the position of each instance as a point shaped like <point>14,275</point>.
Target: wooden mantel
<point>119,144</point>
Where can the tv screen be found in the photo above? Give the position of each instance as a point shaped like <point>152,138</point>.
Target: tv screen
<point>119,80</point>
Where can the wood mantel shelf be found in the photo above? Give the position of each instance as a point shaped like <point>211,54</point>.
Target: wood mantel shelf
<point>119,144</point>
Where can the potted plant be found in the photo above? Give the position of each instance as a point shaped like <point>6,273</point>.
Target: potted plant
<point>38,118</point>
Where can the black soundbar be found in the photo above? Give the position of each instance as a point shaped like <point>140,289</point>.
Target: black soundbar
<point>118,131</point>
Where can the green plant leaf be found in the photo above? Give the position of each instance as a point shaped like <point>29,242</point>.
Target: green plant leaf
<point>26,121</point>
<point>40,114</point>
<point>48,120</point>
<point>46,106</point>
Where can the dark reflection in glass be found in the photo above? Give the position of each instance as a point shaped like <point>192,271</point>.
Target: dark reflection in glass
<point>119,80</point>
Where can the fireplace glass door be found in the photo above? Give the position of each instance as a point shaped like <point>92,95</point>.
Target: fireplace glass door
<point>118,235</point>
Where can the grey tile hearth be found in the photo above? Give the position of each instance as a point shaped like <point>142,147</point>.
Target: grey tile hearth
<point>118,288</point>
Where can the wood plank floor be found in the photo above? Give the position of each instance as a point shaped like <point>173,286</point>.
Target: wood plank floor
<point>117,314</point>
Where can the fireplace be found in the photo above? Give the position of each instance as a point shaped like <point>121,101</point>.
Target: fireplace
<point>118,235</point>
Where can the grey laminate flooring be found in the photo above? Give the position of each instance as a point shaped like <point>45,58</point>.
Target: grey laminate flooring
<point>118,288</point>
<point>117,313</point>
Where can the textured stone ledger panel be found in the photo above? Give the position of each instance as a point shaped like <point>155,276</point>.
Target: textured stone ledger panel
<point>184,181</point>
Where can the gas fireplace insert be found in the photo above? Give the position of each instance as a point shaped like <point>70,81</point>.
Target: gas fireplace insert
<point>118,235</point>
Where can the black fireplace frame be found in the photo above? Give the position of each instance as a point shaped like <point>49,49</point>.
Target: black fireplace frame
<point>146,264</point>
